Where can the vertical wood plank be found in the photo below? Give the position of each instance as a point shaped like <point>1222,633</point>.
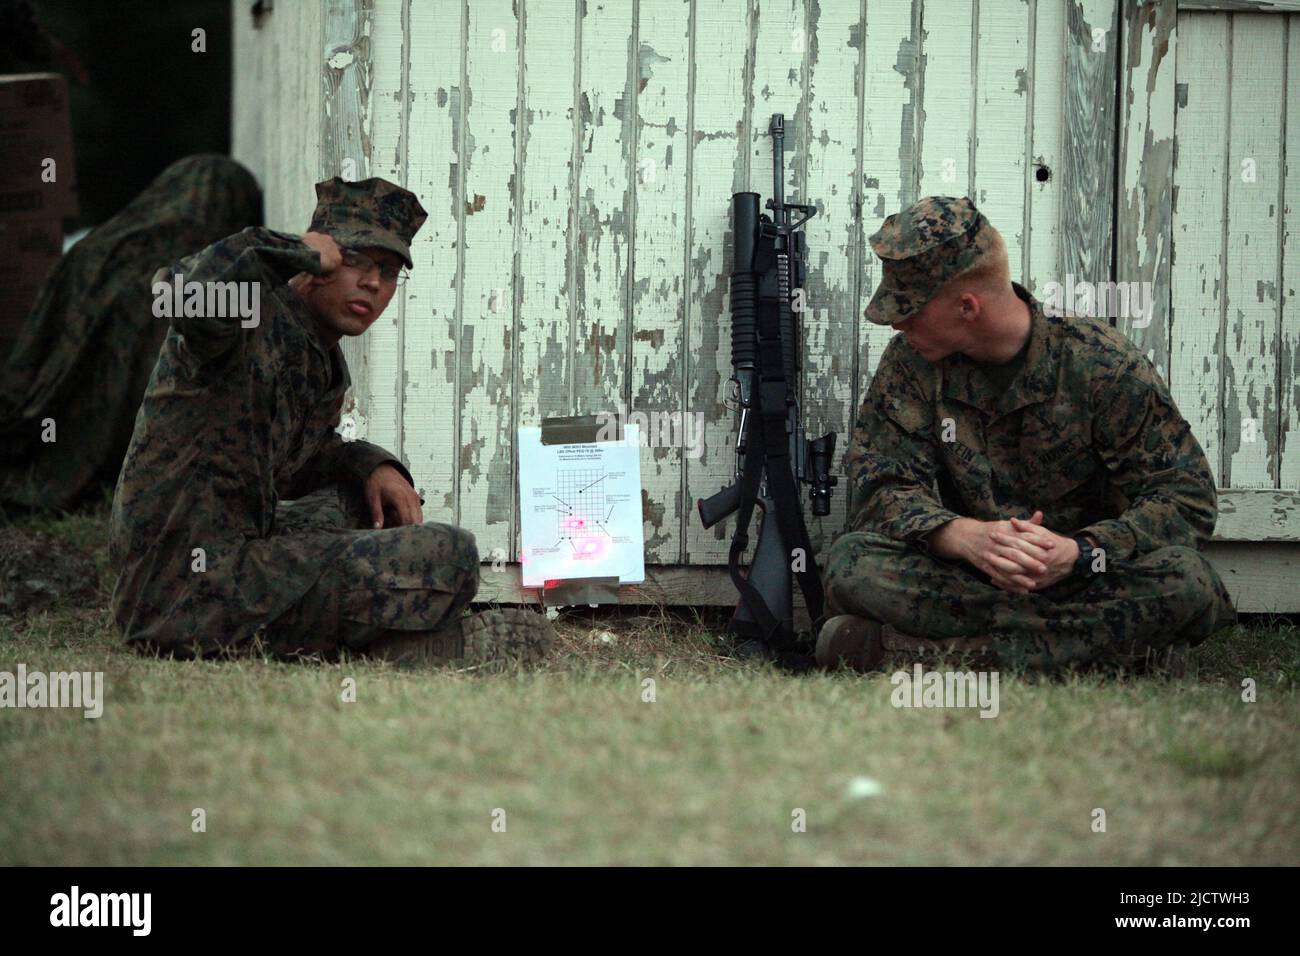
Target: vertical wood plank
<point>658,298</point>
<point>346,147</point>
<point>1002,112</point>
<point>1289,325</point>
<point>485,351</point>
<point>945,124</point>
<point>777,86</point>
<point>545,235</point>
<point>723,113</point>
<point>250,61</point>
<point>1047,141</point>
<point>1250,401</point>
<point>293,126</point>
<point>374,359</point>
<point>1200,164</point>
<point>431,64</point>
<point>889,108</point>
<point>891,85</point>
<point>547,197</point>
<point>834,35</point>
<point>346,77</point>
<point>1088,159</point>
<point>601,338</point>
<point>1145,209</point>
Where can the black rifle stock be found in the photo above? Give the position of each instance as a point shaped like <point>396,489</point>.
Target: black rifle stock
<point>769,263</point>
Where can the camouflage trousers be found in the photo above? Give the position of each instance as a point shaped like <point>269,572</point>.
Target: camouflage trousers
<point>1133,608</point>
<point>387,581</point>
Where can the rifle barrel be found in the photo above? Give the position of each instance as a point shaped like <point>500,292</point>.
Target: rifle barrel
<point>777,129</point>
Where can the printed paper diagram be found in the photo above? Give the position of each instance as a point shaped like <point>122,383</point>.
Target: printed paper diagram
<point>580,508</point>
<point>580,514</point>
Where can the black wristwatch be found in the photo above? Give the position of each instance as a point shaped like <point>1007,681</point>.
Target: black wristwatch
<point>1083,563</point>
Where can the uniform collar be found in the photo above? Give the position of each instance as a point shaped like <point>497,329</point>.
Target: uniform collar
<point>964,380</point>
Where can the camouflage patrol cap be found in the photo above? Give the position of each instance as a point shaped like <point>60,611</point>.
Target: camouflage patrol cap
<point>920,249</point>
<point>372,212</point>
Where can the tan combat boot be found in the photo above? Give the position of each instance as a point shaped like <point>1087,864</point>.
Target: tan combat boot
<point>496,636</point>
<point>850,641</point>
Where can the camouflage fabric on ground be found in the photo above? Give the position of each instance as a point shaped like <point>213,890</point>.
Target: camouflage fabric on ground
<point>90,343</point>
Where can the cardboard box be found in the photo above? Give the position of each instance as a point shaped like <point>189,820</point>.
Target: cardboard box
<point>31,249</point>
<point>35,126</point>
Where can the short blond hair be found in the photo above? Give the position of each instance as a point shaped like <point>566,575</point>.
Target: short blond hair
<point>990,273</point>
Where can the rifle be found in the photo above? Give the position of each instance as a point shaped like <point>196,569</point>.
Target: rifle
<point>769,263</point>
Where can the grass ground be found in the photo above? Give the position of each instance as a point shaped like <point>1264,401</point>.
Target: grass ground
<point>582,769</point>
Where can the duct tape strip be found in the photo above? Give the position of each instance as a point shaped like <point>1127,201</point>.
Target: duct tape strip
<point>581,591</point>
<point>578,429</point>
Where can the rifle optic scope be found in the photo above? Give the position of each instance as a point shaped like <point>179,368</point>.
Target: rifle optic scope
<point>820,453</point>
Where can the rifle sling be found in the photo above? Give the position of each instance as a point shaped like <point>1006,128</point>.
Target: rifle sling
<point>780,473</point>
<point>767,449</point>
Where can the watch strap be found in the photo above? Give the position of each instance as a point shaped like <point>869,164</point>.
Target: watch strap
<point>1083,564</point>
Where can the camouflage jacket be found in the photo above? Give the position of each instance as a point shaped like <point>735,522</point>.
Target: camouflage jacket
<point>233,419</point>
<point>1086,432</point>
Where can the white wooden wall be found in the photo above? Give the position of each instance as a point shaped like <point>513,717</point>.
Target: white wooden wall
<point>1206,85</point>
<point>1236,227</point>
<point>577,160</point>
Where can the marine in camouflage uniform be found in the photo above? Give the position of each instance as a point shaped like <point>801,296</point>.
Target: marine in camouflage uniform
<point>237,418</point>
<point>1077,426</point>
<point>86,351</point>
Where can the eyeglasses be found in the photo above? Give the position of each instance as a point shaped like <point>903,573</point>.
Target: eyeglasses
<point>363,263</point>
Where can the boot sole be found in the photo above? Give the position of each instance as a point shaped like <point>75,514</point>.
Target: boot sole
<point>490,638</point>
<point>510,635</point>
<point>852,642</point>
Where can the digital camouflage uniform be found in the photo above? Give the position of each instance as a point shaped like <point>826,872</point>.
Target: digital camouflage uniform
<point>1085,431</point>
<point>236,419</point>
<point>87,349</point>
